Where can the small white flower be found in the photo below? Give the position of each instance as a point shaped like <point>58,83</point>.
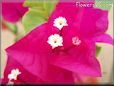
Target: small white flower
<point>55,40</point>
<point>76,41</point>
<point>60,22</point>
<point>10,83</point>
<point>13,75</point>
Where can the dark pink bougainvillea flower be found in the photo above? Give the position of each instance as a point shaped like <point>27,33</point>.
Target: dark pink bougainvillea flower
<point>60,50</point>
<point>13,11</point>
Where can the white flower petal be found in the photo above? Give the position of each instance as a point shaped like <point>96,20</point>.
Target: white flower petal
<point>10,83</point>
<point>55,40</point>
<point>10,76</point>
<point>14,73</point>
<point>60,22</point>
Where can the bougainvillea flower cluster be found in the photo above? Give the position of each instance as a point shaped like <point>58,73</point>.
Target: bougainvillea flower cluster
<point>61,49</point>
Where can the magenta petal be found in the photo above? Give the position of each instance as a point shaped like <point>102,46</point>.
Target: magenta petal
<point>31,49</point>
<point>80,60</point>
<point>24,77</point>
<point>58,75</point>
<point>94,22</point>
<point>88,22</point>
<point>105,38</point>
<point>55,74</point>
<point>12,12</point>
<point>32,52</point>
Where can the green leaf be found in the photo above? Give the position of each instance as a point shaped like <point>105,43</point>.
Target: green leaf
<point>103,4</point>
<point>33,18</point>
<point>98,49</point>
<point>49,5</point>
<point>39,11</point>
<point>37,4</point>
